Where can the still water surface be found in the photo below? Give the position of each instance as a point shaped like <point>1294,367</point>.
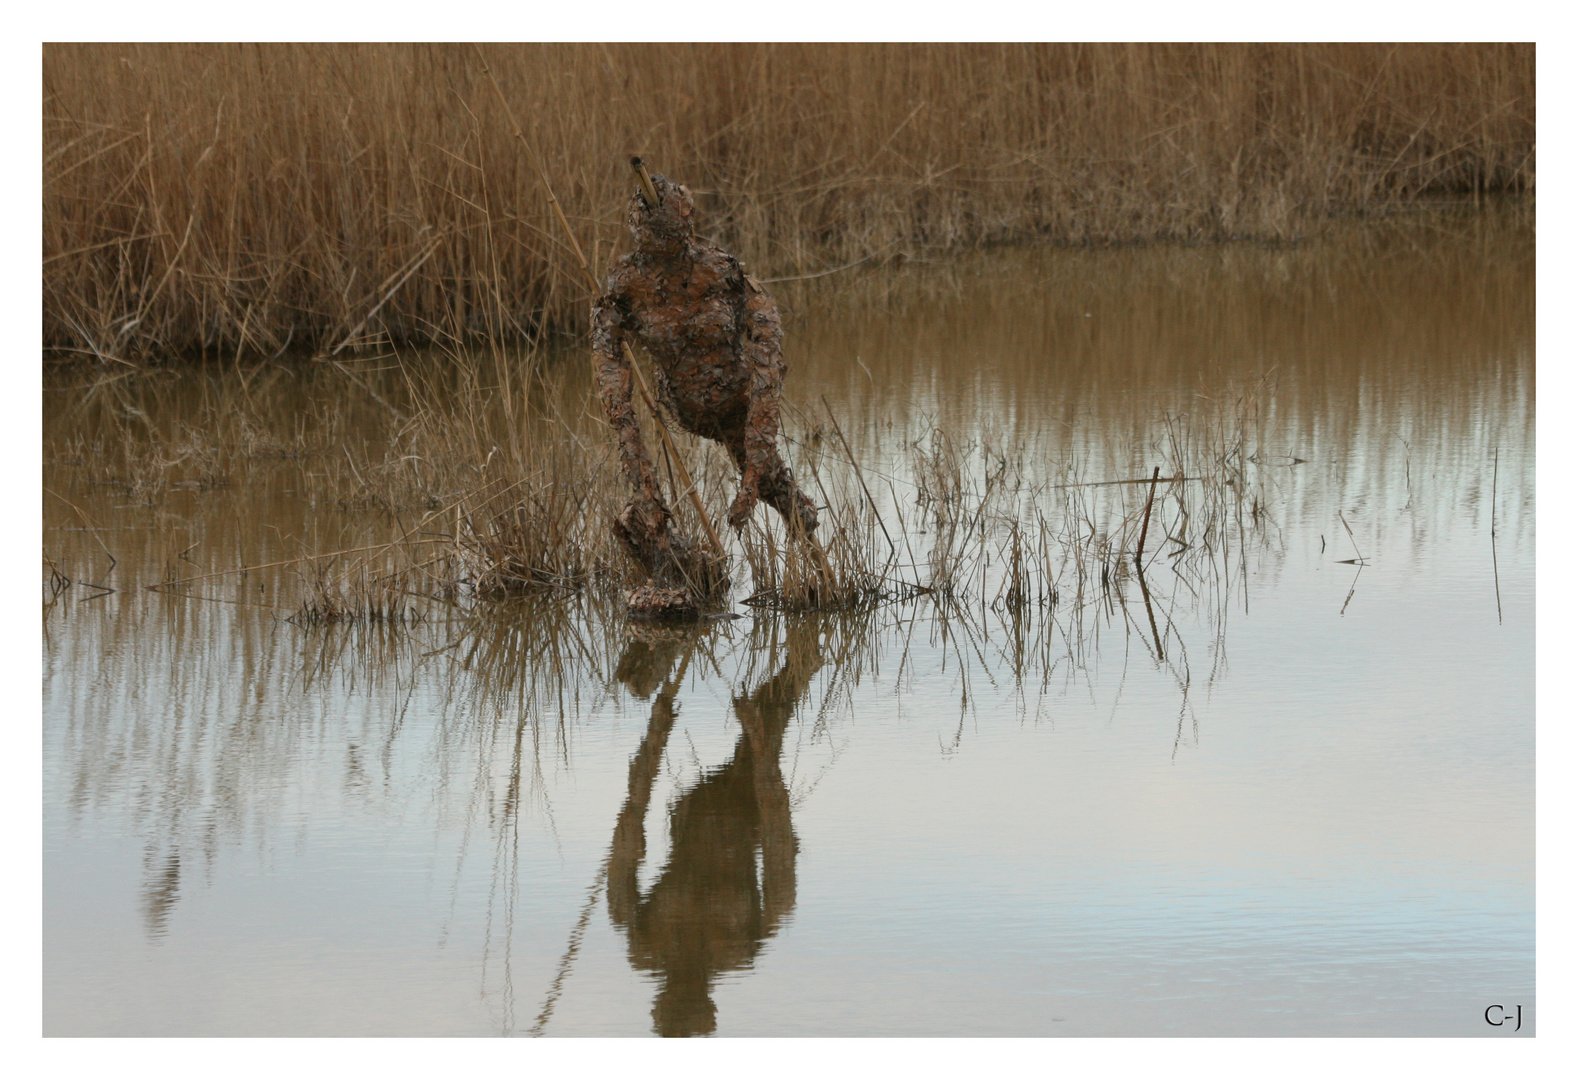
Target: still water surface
<point>1309,812</point>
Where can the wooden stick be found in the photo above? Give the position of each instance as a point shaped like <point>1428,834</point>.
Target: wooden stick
<point>648,191</point>
<point>679,463</point>
<point>591,280</point>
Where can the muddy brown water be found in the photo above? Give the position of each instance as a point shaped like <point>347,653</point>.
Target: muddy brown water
<point>1310,812</point>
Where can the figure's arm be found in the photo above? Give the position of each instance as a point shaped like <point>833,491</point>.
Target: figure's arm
<point>764,717</point>
<point>761,348</point>
<point>763,723</point>
<point>764,352</point>
<point>613,386</point>
<point>630,839</point>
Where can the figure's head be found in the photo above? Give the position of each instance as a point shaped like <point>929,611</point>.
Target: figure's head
<point>684,1007</point>
<point>664,228</point>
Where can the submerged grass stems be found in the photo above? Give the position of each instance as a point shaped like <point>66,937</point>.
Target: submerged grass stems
<point>236,201</point>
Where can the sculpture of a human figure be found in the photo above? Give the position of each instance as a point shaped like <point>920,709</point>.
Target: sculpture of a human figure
<point>716,339</point>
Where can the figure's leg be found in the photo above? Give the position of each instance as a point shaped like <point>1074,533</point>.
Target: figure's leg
<point>641,529</point>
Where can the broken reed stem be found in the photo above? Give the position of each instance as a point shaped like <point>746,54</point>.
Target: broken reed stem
<point>1140,480</point>
<point>649,192</point>
<point>1495,471</point>
<point>1145,525</point>
<point>404,274</point>
<point>81,514</point>
<point>591,280</point>
<point>892,548</point>
<point>1351,539</point>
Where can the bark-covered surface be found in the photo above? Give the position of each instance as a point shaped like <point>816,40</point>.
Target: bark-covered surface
<point>717,342</point>
<point>652,602</point>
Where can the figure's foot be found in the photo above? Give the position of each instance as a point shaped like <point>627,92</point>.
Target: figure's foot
<point>651,602</point>
<point>744,503</point>
<point>805,510</point>
<point>643,528</point>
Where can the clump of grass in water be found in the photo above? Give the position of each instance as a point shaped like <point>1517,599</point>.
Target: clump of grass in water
<point>795,573</point>
<point>1014,540</point>
<point>362,591</point>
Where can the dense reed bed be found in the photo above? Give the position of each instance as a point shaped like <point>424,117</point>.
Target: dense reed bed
<point>240,200</point>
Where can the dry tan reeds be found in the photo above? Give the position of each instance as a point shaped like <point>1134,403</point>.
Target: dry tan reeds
<point>238,200</point>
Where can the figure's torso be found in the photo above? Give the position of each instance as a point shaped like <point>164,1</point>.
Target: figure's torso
<point>687,312</point>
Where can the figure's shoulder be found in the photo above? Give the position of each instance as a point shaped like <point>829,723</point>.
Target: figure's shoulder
<point>743,277</point>
<point>621,272</point>
<point>749,283</point>
<point>727,267</point>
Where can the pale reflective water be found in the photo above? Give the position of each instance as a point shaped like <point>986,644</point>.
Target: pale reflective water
<point>1310,811</point>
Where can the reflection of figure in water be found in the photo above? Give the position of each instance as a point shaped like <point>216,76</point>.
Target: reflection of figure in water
<point>709,911</point>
